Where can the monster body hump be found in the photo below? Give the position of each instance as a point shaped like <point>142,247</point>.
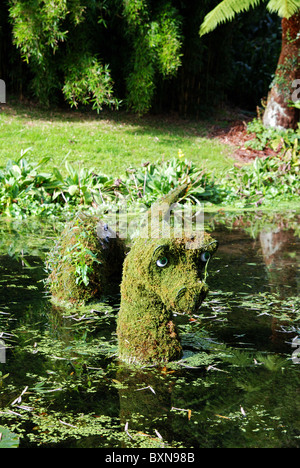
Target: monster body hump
<point>160,277</point>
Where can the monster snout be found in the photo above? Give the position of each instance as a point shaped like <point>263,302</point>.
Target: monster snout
<point>189,298</point>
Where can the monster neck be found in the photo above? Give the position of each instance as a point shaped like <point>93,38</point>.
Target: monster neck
<point>146,331</point>
<point>154,221</point>
<point>173,196</point>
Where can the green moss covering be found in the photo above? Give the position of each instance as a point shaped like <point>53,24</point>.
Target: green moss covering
<point>85,262</point>
<point>161,275</point>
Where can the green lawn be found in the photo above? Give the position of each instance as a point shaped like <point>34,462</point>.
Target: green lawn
<point>110,142</point>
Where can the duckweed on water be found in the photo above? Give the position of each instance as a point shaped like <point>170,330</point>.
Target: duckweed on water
<point>235,386</point>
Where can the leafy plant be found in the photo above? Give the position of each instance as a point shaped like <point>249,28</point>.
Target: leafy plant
<point>296,104</point>
<point>25,190</point>
<point>156,48</point>
<point>265,180</point>
<point>277,140</point>
<point>83,259</point>
<point>74,260</point>
<point>38,40</point>
<point>79,75</point>
<point>2,377</point>
<point>155,180</point>
<point>267,177</point>
<point>8,439</point>
<point>22,182</point>
<point>79,186</point>
<point>88,81</point>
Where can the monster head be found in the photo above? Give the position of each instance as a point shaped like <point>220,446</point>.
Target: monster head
<point>177,274</point>
<point>161,276</point>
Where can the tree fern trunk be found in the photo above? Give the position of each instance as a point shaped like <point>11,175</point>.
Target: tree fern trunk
<point>278,113</point>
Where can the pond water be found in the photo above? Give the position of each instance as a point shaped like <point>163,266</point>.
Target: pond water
<point>237,385</point>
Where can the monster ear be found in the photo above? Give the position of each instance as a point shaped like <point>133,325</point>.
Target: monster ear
<point>159,257</point>
<point>159,249</point>
<point>215,244</point>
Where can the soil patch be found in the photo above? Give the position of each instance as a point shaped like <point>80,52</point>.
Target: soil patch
<point>236,135</point>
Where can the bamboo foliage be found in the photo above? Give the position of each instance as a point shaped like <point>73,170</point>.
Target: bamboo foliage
<point>141,54</point>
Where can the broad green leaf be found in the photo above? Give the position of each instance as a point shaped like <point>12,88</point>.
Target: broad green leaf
<point>56,193</point>
<point>8,439</point>
<point>73,189</point>
<point>43,161</point>
<point>16,169</point>
<point>73,173</point>
<point>23,152</point>
<point>57,174</point>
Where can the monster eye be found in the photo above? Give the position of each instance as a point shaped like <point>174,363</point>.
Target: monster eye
<point>205,256</point>
<point>162,262</point>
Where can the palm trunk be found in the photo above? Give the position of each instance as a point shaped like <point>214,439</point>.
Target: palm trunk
<point>279,113</point>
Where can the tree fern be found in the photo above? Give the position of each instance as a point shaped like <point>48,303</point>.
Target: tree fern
<point>284,8</point>
<point>227,9</point>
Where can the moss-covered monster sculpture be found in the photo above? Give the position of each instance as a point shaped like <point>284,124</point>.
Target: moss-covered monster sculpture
<point>161,275</point>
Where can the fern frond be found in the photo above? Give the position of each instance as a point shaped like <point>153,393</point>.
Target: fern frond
<point>284,8</point>
<point>226,11</point>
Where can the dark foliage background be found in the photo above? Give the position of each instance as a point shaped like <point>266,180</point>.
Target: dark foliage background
<point>148,54</point>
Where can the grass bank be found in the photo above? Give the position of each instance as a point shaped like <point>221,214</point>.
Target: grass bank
<point>110,142</point>
<point>81,160</point>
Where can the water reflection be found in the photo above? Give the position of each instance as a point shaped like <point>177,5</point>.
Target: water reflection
<point>280,250</point>
<point>259,264</point>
